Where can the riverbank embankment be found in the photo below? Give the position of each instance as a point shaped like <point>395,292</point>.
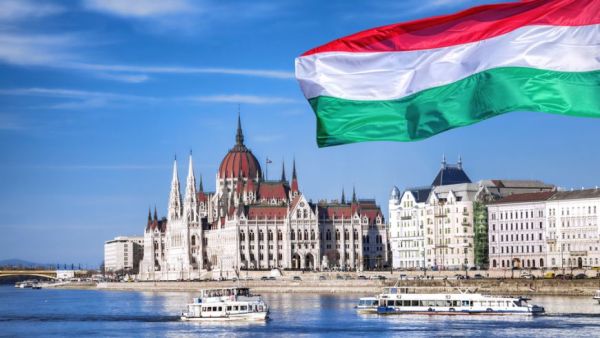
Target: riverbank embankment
<point>585,287</point>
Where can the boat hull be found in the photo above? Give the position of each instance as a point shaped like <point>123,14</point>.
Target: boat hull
<point>448,312</point>
<point>252,317</point>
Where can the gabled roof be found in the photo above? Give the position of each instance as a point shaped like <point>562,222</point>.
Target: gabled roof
<point>273,189</point>
<point>526,197</point>
<point>450,174</point>
<point>269,212</point>
<point>420,194</point>
<point>576,194</point>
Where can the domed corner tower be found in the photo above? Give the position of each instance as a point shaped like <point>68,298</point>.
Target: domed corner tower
<point>239,174</point>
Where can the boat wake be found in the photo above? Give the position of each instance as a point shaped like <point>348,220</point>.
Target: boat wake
<point>87,318</point>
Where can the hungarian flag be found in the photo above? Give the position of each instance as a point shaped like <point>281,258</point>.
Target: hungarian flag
<point>410,81</point>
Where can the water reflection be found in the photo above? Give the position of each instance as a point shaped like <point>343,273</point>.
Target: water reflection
<point>107,313</point>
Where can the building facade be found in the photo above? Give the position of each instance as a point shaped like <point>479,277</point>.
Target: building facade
<point>123,254</point>
<point>517,226</point>
<point>554,230</point>
<point>445,225</point>
<point>253,223</point>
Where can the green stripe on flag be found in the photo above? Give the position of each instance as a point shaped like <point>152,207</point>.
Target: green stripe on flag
<point>470,100</point>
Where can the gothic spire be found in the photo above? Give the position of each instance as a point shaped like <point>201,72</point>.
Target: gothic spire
<point>149,215</point>
<point>343,196</point>
<point>239,136</point>
<point>353,195</point>
<point>294,169</point>
<point>191,199</point>
<point>201,185</point>
<point>155,214</point>
<point>175,195</point>
<point>459,164</point>
<point>283,179</point>
<point>444,161</point>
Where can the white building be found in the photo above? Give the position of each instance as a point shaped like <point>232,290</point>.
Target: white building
<point>123,253</point>
<point>445,225</point>
<point>557,230</point>
<point>253,223</point>
<point>517,231</point>
<point>573,231</point>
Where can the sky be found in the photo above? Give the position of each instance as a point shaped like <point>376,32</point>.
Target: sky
<point>98,96</point>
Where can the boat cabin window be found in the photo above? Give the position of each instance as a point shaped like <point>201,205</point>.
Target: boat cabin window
<point>229,308</point>
<point>243,308</point>
<point>414,303</point>
<point>220,308</point>
<point>467,303</point>
<point>390,303</point>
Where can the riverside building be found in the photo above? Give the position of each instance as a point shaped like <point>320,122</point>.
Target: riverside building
<point>445,225</point>
<point>123,254</point>
<point>557,230</point>
<point>250,222</point>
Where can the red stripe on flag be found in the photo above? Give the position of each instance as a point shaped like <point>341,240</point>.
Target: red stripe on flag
<point>474,24</point>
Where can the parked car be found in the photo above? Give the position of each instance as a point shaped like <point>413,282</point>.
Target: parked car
<point>339,277</point>
<point>296,278</point>
<point>264,278</point>
<point>348,277</point>
<point>272,278</point>
<point>549,275</point>
<point>361,277</point>
<point>527,276</point>
<point>321,277</point>
<point>459,276</point>
<point>378,277</point>
<point>581,276</point>
<point>478,276</point>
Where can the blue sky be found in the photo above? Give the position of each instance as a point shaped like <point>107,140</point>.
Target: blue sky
<point>96,97</point>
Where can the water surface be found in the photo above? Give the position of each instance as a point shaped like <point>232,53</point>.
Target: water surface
<point>77,313</point>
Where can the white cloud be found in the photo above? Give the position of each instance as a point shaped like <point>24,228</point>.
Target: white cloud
<point>140,8</point>
<point>247,99</point>
<point>129,78</point>
<point>27,49</point>
<point>264,73</point>
<point>15,10</point>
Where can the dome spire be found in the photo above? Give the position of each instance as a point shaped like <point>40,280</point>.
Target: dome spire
<point>239,136</point>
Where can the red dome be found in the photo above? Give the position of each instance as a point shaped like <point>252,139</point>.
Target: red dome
<point>239,161</point>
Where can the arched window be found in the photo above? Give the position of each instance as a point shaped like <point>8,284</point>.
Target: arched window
<point>193,240</point>
<point>242,236</point>
<point>305,213</point>
<point>299,235</point>
<point>293,235</point>
<point>355,235</point>
<point>305,235</point>
<point>312,235</point>
<point>328,235</point>
<point>251,235</point>
<point>270,235</point>
<point>541,262</point>
<point>298,213</point>
<point>494,263</point>
<point>337,234</point>
<point>279,235</point>
<point>346,235</point>
<point>261,236</point>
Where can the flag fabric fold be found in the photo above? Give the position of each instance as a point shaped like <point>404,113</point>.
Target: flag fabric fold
<point>410,81</point>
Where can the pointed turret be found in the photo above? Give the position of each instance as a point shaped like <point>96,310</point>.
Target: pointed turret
<point>239,136</point>
<point>201,185</point>
<point>353,195</point>
<point>149,215</point>
<point>444,161</point>
<point>190,205</point>
<point>283,179</point>
<point>459,164</point>
<point>343,196</point>
<point>175,196</point>
<point>294,178</point>
<point>155,214</point>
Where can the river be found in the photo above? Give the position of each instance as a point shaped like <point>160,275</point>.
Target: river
<point>79,313</point>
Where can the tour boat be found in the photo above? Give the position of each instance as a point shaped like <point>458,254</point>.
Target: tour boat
<point>597,296</point>
<point>367,305</point>
<point>228,304</point>
<point>399,300</point>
